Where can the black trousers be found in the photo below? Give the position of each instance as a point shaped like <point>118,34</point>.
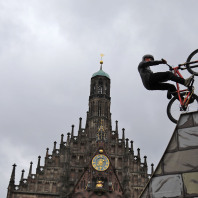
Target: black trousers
<point>157,80</point>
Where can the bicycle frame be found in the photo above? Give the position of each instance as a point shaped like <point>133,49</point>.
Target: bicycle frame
<point>184,100</point>
<point>184,103</point>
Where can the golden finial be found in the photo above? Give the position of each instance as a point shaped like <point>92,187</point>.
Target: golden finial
<point>100,151</point>
<point>101,62</point>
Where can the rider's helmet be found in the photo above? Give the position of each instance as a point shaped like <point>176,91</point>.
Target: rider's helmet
<point>147,56</point>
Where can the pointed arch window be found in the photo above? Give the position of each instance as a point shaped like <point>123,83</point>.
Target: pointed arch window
<point>105,88</point>
<point>106,109</point>
<point>100,87</point>
<point>94,88</point>
<point>101,135</point>
<point>99,108</point>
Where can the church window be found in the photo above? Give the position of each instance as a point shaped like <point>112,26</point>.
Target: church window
<point>105,89</point>
<point>106,109</point>
<point>120,162</point>
<point>99,108</point>
<point>54,187</point>
<point>39,186</point>
<point>47,187</point>
<point>72,175</point>
<point>31,187</point>
<point>113,148</point>
<point>73,159</point>
<point>92,108</point>
<point>100,87</point>
<point>113,161</point>
<point>94,88</point>
<point>81,159</point>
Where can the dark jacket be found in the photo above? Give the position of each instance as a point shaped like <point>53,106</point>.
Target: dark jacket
<point>145,71</point>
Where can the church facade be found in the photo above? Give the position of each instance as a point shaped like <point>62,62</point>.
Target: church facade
<point>95,163</point>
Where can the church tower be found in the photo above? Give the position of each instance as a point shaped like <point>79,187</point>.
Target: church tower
<point>94,163</point>
<point>99,106</point>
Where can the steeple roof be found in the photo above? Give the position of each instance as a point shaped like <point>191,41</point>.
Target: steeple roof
<point>101,73</point>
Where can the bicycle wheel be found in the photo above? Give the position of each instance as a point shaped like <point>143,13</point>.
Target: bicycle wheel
<point>174,108</point>
<point>193,68</point>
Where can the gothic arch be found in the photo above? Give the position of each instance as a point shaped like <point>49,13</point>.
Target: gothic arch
<point>100,86</point>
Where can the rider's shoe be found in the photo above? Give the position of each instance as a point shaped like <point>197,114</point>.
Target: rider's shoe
<point>188,81</point>
<point>169,95</point>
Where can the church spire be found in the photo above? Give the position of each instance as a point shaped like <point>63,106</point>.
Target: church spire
<point>127,145</point>
<point>132,151</point>
<point>54,150</point>
<point>116,128</point>
<point>22,176</point>
<point>38,164</point>
<point>30,170</point>
<point>11,185</point>
<point>12,178</point>
<point>80,124</point>
<point>123,135</point>
<point>47,152</point>
<point>145,161</point>
<point>68,139</point>
<point>62,136</point>
<point>138,154</point>
<point>72,132</point>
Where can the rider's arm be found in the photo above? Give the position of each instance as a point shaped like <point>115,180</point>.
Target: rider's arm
<point>151,63</point>
<point>145,64</point>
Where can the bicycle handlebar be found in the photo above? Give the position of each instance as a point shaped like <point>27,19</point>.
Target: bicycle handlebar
<point>188,63</point>
<point>171,68</point>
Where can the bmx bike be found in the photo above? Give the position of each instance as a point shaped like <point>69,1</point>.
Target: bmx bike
<point>185,100</point>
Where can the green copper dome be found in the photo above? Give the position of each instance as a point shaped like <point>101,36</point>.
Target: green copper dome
<point>100,73</point>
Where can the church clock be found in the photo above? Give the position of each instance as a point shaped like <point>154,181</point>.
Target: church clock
<point>100,162</point>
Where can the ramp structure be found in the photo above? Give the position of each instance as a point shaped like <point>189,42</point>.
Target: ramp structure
<point>177,172</point>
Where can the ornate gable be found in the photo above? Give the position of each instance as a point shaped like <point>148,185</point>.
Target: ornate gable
<point>99,178</point>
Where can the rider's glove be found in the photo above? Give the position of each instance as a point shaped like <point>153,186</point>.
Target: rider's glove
<point>164,61</point>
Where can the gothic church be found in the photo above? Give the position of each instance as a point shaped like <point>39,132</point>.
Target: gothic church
<point>95,163</point>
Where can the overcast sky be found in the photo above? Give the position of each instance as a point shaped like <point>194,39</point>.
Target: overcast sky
<point>49,50</point>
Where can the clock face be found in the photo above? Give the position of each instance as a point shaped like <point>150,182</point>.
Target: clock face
<point>100,162</point>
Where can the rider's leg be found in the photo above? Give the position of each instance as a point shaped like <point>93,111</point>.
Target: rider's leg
<point>171,89</point>
<point>165,76</point>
